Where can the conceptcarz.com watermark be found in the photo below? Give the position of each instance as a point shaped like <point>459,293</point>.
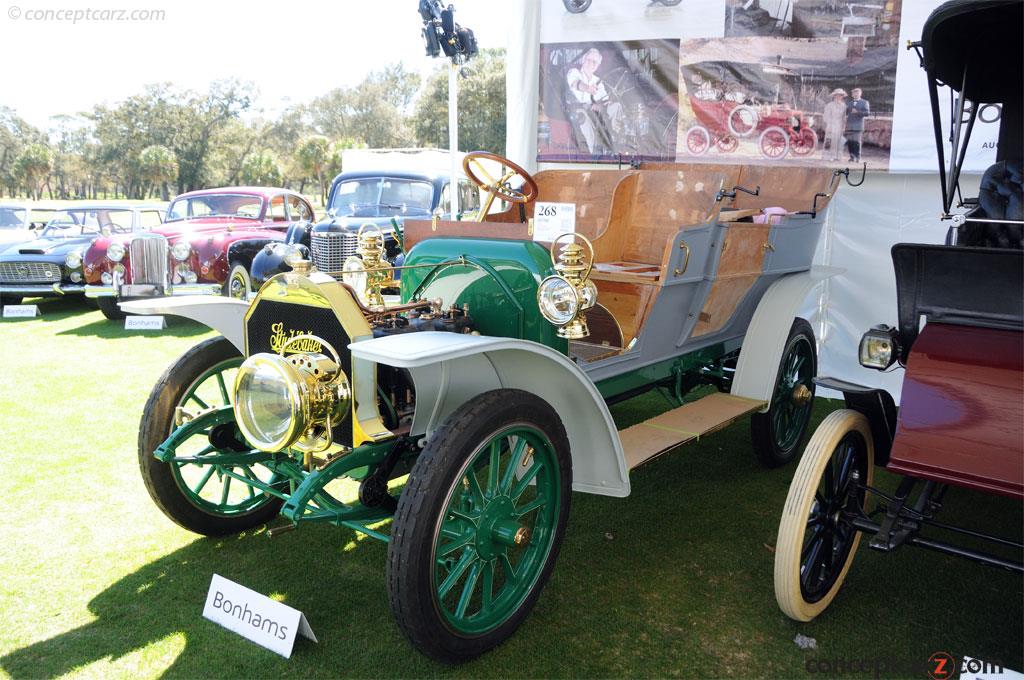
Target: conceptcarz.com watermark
<point>83,15</point>
<point>939,666</point>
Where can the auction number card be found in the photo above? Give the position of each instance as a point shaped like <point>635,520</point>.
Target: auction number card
<point>552,219</point>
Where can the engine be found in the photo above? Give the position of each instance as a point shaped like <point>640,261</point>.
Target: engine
<point>299,386</point>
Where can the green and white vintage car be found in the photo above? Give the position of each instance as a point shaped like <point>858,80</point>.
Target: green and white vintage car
<point>488,382</point>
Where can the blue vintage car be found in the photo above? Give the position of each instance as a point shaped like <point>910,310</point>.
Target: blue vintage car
<point>355,199</point>
<point>50,265</point>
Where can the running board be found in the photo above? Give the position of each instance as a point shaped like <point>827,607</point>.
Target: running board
<point>651,438</point>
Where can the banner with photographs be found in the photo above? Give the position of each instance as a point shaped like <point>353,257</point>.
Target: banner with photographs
<point>732,81</point>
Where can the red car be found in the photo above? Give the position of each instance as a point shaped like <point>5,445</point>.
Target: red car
<point>205,246</point>
<point>726,108</point>
<point>959,340</point>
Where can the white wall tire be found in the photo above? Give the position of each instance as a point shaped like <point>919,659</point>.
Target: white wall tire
<point>239,283</point>
<point>802,598</point>
<point>742,120</point>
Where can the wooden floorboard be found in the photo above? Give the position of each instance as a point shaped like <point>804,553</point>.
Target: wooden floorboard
<point>651,438</point>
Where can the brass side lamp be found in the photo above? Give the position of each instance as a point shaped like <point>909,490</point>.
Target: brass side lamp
<point>564,297</point>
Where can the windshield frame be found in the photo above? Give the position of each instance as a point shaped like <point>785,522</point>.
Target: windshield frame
<point>15,209</point>
<point>332,210</point>
<point>52,229</point>
<point>188,218</point>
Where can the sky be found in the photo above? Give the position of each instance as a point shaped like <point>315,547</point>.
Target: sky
<point>59,60</point>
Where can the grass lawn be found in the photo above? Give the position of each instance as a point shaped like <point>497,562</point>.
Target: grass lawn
<point>675,580</point>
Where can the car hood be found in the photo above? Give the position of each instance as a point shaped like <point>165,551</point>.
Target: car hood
<point>14,235</point>
<point>354,223</point>
<point>50,246</point>
<point>186,228</point>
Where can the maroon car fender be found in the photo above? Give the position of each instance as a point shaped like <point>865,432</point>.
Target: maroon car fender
<point>961,419</point>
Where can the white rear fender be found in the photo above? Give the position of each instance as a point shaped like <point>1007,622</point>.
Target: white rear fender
<point>758,367</point>
<point>449,370</point>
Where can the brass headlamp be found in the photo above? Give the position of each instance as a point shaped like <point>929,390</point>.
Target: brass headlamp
<point>292,401</point>
<point>564,297</point>
<point>368,272</point>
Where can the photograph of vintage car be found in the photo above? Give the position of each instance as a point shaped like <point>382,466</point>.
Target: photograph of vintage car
<point>50,264</point>
<point>200,248</point>
<point>544,337</point>
<point>959,338</point>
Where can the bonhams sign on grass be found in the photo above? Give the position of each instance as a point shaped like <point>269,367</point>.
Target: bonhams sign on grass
<point>20,311</point>
<point>254,616</point>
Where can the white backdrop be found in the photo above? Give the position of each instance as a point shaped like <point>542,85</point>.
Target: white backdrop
<point>862,223</point>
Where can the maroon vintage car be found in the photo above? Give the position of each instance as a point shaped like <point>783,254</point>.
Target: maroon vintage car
<point>205,246</point>
<point>959,338</point>
<point>727,109</point>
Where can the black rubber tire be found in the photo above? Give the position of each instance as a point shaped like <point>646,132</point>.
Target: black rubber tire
<point>761,431</point>
<point>412,534</point>
<point>108,305</point>
<point>91,303</point>
<point>157,420</point>
<point>10,300</point>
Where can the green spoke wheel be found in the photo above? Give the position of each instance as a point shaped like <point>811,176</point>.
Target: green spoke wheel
<point>479,525</point>
<point>777,434</point>
<point>209,499</point>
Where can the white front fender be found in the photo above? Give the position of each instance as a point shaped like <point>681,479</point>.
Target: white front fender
<point>222,314</point>
<point>449,370</point>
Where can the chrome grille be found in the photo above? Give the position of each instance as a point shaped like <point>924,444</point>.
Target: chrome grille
<point>147,255</point>
<point>330,248</point>
<point>29,272</point>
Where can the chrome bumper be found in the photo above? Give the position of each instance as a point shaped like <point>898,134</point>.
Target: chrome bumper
<point>41,289</point>
<point>129,290</point>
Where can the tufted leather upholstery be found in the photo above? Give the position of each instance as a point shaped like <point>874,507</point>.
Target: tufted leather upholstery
<point>1001,197</point>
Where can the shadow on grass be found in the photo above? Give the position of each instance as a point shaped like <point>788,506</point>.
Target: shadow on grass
<point>674,580</point>
<point>166,597</point>
<point>60,309</point>
<point>177,326</point>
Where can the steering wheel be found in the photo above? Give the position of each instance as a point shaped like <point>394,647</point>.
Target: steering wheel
<point>498,188</point>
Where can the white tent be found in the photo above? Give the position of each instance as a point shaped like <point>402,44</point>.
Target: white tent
<point>900,205</point>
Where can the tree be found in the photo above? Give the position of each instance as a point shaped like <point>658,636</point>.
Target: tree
<point>313,154</point>
<point>373,112</point>
<point>261,169</point>
<point>157,167</point>
<point>70,138</point>
<point>481,106</point>
<point>33,167</point>
<point>201,117</point>
<point>15,135</point>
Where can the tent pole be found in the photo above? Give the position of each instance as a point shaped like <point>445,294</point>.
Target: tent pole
<point>453,136</point>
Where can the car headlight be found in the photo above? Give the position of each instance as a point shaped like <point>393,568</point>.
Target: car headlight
<point>558,300</point>
<point>186,274</point>
<point>291,401</point>
<point>293,254</point>
<point>879,348</point>
<point>73,260</point>
<point>106,278</point>
<point>353,274</point>
<point>115,252</point>
<point>180,251</point>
